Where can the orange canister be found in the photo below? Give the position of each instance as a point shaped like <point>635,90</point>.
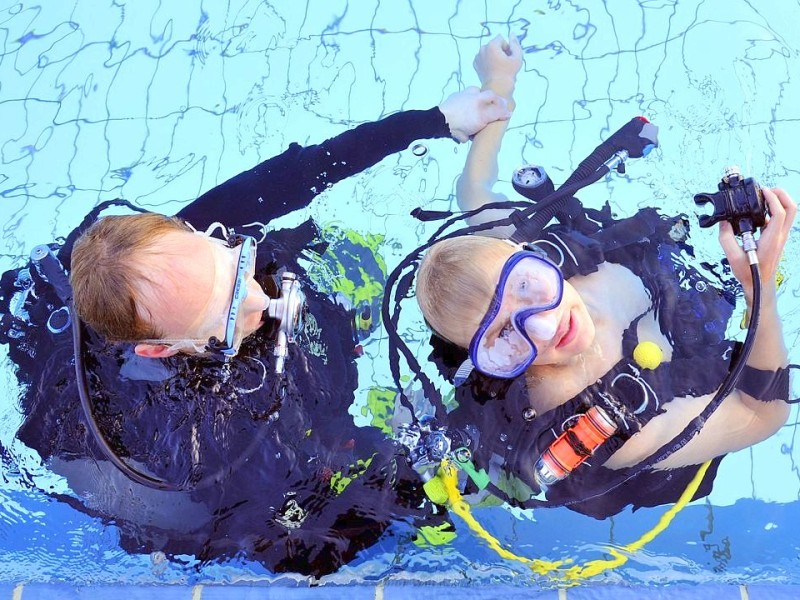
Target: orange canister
<point>574,446</point>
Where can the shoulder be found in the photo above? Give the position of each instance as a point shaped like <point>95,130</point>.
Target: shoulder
<point>613,289</point>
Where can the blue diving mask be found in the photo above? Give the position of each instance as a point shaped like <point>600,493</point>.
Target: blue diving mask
<point>529,287</point>
<point>228,347</point>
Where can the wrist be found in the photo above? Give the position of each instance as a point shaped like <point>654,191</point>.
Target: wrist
<point>769,294</point>
<point>503,88</point>
<point>769,308</point>
<point>500,83</point>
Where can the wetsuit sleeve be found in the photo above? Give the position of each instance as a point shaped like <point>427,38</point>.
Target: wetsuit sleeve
<point>290,181</point>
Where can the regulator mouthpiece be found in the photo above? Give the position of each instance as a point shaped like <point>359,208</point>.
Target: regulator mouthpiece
<point>289,310</point>
<point>738,201</point>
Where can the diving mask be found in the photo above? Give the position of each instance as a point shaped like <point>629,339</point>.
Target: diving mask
<point>529,287</point>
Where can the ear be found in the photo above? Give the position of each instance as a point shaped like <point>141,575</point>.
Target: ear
<point>154,350</point>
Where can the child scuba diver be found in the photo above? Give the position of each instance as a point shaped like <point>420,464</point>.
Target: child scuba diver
<point>590,359</point>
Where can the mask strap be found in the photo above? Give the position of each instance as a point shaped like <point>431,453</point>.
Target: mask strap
<point>211,229</point>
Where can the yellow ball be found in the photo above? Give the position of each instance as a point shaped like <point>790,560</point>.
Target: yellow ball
<point>648,355</point>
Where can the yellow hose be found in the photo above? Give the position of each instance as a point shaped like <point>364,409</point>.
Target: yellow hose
<point>573,574</point>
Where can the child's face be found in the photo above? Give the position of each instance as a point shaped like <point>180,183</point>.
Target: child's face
<point>558,334</point>
<point>575,332</point>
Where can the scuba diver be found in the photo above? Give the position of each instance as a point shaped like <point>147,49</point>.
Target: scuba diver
<point>590,360</point>
<point>211,422</point>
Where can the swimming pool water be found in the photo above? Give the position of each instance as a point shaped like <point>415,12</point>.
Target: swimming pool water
<point>157,102</point>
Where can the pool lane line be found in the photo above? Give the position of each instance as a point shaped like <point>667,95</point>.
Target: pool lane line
<point>743,593</point>
<point>197,592</point>
<point>17,593</point>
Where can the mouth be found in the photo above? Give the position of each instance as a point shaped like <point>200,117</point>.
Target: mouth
<point>567,331</point>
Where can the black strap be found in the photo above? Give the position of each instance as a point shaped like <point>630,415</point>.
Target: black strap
<point>766,385</point>
<point>398,288</point>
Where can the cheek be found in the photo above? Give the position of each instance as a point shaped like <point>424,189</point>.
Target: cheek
<point>587,330</point>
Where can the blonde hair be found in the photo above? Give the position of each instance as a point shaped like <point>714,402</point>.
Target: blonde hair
<point>456,282</point>
<point>107,275</point>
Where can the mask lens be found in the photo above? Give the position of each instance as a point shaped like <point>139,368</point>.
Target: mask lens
<point>503,345</point>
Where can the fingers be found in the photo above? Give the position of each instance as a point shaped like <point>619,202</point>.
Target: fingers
<point>512,47</point>
<point>775,233</point>
<point>782,211</point>
<point>781,207</point>
<point>784,198</point>
<point>728,242</point>
<point>495,46</point>
<point>497,43</point>
<point>777,215</point>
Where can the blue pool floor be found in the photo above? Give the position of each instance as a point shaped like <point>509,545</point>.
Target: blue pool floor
<point>397,592</point>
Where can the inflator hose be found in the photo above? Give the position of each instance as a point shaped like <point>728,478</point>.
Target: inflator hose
<point>83,392</point>
<point>549,207</point>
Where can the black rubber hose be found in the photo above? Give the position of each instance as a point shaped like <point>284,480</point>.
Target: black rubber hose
<point>83,392</point>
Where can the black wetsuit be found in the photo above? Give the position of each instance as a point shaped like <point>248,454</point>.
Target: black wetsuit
<point>303,492</point>
<point>693,313</point>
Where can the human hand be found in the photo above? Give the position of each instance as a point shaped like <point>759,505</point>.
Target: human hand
<point>771,241</point>
<point>499,60</point>
<point>470,110</point>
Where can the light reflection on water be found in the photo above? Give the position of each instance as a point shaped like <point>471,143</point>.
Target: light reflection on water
<point>158,102</point>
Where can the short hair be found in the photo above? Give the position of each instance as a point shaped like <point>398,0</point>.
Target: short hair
<point>107,275</point>
<point>454,289</point>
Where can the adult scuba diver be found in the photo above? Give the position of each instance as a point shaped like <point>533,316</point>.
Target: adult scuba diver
<point>590,358</point>
<point>192,409</point>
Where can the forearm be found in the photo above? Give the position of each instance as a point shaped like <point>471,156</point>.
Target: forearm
<point>474,188</point>
<point>292,179</point>
<point>481,169</point>
<point>769,348</point>
<point>358,149</point>
<point>765,390</point>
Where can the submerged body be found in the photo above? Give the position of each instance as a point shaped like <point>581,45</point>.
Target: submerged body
<point>625,283</point>
<point>592,363</point>
<point>272,468</point>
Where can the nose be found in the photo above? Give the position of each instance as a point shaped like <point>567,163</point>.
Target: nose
<point>543,326</point>
<point>254,304</point>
